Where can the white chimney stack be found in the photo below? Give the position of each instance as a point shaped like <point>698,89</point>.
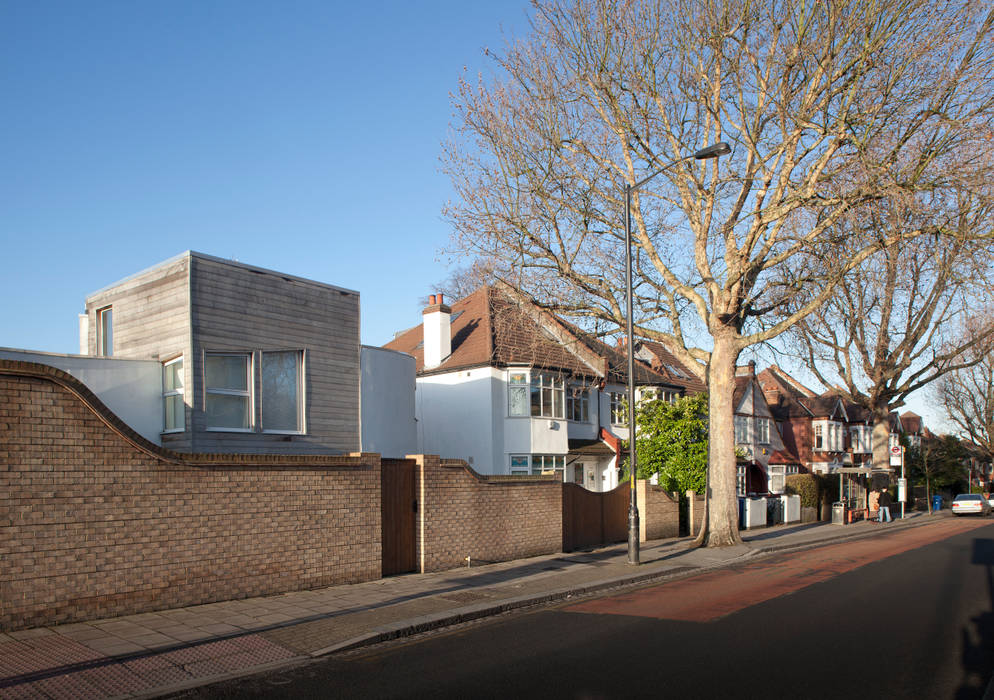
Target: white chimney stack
<point>438,331</point>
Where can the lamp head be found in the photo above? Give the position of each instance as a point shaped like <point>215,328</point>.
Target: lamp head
<point>715,150</point>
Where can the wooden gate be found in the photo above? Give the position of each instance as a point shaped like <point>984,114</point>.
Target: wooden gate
<point>591,518</point>
<point>398,510</point>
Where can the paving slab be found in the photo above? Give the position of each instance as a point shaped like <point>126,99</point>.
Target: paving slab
<point>153,653</point>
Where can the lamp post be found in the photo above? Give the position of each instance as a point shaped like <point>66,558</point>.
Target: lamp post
<point>713,151</point>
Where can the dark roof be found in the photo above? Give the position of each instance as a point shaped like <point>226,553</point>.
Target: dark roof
<point>784,394</point>
<point>490,327</point>
<point>911,422</point>
<point>665,363</point>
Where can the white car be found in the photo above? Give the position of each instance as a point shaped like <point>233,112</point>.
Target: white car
<point>967,503</point>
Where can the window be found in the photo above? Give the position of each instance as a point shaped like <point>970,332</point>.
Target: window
<point>776,478</point>
<point>228,402</point>
<point>519,464</point>
<point>742,430</point>
<point>619,416</point>
<point>517,394</point>
<point>174,408</point>
<point>740,480</point>
<point>547,396</point>
<point>763,428</point>
<point>828,436</point>
<point>105,331</point>
<point>577,404</point>
<point>860,436</point>
<point>548,464</point>
<point>282,391</point>
<point>819,436</point>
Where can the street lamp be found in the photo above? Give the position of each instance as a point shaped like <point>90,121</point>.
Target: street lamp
<point>713,151</point>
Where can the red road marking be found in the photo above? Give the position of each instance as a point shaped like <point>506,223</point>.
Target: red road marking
<point>715,594</point>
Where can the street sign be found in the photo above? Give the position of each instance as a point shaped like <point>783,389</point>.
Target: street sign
<point>895,456</point>
<point>902,490</point>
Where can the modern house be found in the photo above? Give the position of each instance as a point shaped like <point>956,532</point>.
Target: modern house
<point>240,359</point>
<point>512,389</point>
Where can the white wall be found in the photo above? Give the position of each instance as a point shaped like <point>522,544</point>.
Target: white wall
<point>387,391</point>
<point>132,389</point>
<point>455,417</point>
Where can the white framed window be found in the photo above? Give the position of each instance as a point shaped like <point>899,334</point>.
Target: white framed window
<point>578,404</point>
<point>777,475</point>
<point>619,416</point>
<point>742,430</point>
<point>828,436</point>
<point>517,394</point>
<point>548,396</point>
<point>282,391</point>
<point>105,331</point>
<point>792,469</point>
<point>548,464</point>
<point>763,430</point>
<point>520,464</point>
<point>740,480</point>
<point>173,404</point>
<point>860,436</point>
<point>228,391</point>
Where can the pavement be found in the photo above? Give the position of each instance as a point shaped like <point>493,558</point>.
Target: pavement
<point>158,653</point>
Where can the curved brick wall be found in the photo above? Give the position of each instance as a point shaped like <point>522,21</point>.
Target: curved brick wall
<point>95,521</point>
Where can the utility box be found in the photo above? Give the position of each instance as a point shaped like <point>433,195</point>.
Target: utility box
<point>791,508</point>
<point>753,511</point>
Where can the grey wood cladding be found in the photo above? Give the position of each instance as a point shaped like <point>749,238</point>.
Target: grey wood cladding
<point>194,304</point>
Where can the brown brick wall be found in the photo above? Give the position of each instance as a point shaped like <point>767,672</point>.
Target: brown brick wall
<point>96,522</point>
<point>464,514</point>
<point>659,512</point>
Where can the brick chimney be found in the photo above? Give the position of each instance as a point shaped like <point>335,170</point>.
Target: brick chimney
<point>437,331</point>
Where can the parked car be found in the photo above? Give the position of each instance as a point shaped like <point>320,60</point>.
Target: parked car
<point>967,503</point>
<point>990,499</point>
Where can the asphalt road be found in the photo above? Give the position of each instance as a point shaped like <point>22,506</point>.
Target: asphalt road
<point>904,615</point>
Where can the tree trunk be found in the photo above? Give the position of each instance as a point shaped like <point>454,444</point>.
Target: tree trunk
<point>881,437</point>
<point>721,527</point>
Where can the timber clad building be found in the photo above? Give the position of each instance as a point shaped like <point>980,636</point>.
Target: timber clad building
<point>253,361</point>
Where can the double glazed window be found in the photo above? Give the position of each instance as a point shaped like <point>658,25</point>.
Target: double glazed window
<point>174,407</point>
<point>543,396</point>
<point>105,331</point>
<point>538,464</point>
<point>763,430</point>
<point>619,413</point>
<point>777,478</point>
<point>577,404</point>
<point>229,391</point>
<point>828,436</point>
<point>742,430</point>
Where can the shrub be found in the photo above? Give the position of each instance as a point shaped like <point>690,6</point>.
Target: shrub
<point>806,486</point>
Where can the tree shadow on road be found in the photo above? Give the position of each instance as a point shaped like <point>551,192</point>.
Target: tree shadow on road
<point>978,636</point>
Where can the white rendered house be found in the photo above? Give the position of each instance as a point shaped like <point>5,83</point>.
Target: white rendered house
<point>511,389</point>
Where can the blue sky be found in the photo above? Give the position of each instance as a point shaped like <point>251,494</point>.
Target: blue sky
<point>298,136</point>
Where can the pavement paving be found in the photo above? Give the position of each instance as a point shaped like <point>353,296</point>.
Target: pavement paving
<point>153,654</point>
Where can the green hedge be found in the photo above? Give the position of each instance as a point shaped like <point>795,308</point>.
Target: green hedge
<point>806,486</point>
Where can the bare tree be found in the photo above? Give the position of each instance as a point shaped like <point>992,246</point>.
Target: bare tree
<point>896,323</point>
<point>829,107</point>
<point>967,394</point>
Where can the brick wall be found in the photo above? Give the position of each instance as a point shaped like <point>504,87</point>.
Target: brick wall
<point>96,522</point>
<point>487,518</point>
<point>659,512</point>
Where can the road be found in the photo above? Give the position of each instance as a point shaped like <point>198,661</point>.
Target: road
<point>906,614</point>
